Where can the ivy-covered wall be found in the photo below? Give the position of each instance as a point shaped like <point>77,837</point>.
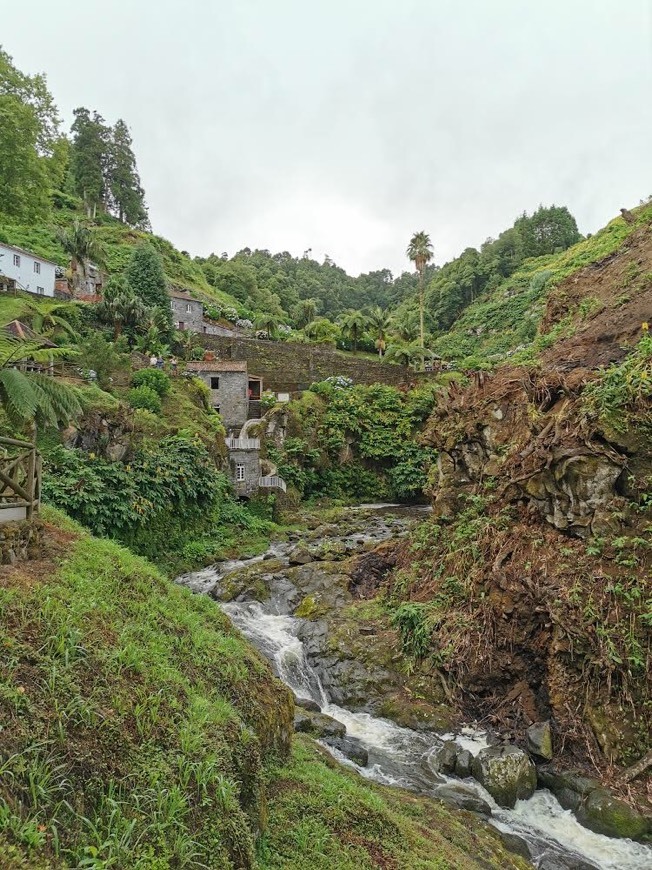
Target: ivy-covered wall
<point>288,367</point>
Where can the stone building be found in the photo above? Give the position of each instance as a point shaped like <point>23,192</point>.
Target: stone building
<point>187,312</point>
<point>235,394</point>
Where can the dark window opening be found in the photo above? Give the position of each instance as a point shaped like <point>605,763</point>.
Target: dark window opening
<point>253,391</point>
<point>215,383</point>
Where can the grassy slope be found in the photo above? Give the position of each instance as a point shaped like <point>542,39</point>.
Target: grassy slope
<point>135,719</point>
<point>119,241</point>
<point>507,316</point>
<point>140,730</point>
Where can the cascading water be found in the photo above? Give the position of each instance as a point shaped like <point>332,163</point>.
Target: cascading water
<point>399,756</point>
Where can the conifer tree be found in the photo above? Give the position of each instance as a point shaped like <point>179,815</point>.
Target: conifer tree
<point>127,195</point>
<point>89,159</point>
<point>146,278</point>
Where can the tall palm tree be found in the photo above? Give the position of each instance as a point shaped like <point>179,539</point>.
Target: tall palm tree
<point>353,326</point>
<point>83,246</point>
<point>406,326</point>
<point>379,325</point>
<point>306,312</point>
<point>268,322</point>
<point>122,308</point>
<point>420,251</point>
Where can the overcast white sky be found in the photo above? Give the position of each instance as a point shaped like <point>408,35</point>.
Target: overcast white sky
<point>346,125</point>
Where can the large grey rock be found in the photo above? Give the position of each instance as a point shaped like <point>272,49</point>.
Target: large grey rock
<point>300,556</point>
<point>463,763</point>
<point>352,748</point>
<point>442,759</point>
<point>317,724</point>
<point>462,797</point>
<point>539,740</point>
<point>506,772</point>
<point>307,704</point>
<point>568,787</point>
<point>603,813</point>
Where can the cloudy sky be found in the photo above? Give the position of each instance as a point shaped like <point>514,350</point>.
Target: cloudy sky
<point>345,125</point>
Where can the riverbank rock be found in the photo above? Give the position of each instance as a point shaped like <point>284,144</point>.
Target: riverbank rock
<point>317,724</point>
<point>506,772</point>
<point>442,759</point>
<point>463,764</point>
<point>539,740</point>
<point>307,704</point>
<point>300,556</point>
<point>351,747</point>
<point>462,797</point>
<point>603,813</point>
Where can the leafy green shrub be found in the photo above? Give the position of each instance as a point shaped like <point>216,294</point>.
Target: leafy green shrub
<point>144,397</point>
<point>267,400</point>
<point>155,379</point>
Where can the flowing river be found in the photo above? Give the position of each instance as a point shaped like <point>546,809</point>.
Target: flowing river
<point>398,756</point>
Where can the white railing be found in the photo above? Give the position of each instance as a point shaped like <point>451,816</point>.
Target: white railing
<point>272,481</point>
<point>243,443</point>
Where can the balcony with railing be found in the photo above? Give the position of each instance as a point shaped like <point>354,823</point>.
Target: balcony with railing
<point>272,481</point>
<point>243,443</point>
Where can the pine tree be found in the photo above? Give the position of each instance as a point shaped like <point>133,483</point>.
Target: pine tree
<point>89,159</point>
<point>146,278</point>
<point>128,197</point>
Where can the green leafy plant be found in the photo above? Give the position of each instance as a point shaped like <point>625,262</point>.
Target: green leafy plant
<point>155,379</point>
<point>144,397</point>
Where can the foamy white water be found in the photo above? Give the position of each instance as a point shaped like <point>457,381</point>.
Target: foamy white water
<point>397,755</point>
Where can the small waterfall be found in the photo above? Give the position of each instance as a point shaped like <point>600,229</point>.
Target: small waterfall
<point>398,756</point>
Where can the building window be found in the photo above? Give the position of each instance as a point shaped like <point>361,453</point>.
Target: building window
<point>182,326</point>
<point>189,308</point>
<point>215,383</point>
<point>16,260</point>
<point>37,268</point>
<point>40,291</point>
<point>239,471</point>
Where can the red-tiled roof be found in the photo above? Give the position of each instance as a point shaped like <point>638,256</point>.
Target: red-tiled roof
<point>217,365</point>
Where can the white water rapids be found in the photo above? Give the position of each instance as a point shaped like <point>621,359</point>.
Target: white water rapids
<point>398,756</point>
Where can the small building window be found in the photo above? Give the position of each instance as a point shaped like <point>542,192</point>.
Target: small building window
<point>37,268</point>
<point>16,260</point>
<point>182,326</point>
<point>239,471</point>
<point>189,308</point>
<point>215,383</point>
<point>40,291</point>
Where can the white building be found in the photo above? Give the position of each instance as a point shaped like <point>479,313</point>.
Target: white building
<point>23,270</point>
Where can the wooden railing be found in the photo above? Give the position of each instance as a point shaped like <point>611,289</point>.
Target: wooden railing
<point>20,479</point>
<point>272,481</point>
<point>243,443</point>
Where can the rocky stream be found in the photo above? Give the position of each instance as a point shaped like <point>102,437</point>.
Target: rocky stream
<point>296,604</point>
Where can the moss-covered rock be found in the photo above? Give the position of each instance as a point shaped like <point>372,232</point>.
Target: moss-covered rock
<point>506,772</point>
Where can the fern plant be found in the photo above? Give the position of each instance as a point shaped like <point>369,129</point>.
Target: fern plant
<point>33,397</point>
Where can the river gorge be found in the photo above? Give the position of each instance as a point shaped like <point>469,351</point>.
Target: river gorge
<point>391,723</point>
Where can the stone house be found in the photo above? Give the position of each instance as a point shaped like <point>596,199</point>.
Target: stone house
<point>187,312</point>
<point>235,394</point>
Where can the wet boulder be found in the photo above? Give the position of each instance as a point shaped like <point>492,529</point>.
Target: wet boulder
<point>300,556</point>
<point>539,740</point>
<point>307,704</point>
<point>317,724</point>
<point>462,797</point>
<point>463,763</point>
<point>603,813</point>
<point>506,772</point>
<point>442,758</point>
<point>352,748</point>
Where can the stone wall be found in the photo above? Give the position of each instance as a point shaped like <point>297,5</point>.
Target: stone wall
<point>20,541</point>
<point>287,367</point>
<point>230,398</point>
<point>251,461</point>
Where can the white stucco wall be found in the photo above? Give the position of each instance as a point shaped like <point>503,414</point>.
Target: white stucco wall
<point>24,274</point>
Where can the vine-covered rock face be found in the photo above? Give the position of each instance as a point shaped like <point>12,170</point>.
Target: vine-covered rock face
<point>506,772</point>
